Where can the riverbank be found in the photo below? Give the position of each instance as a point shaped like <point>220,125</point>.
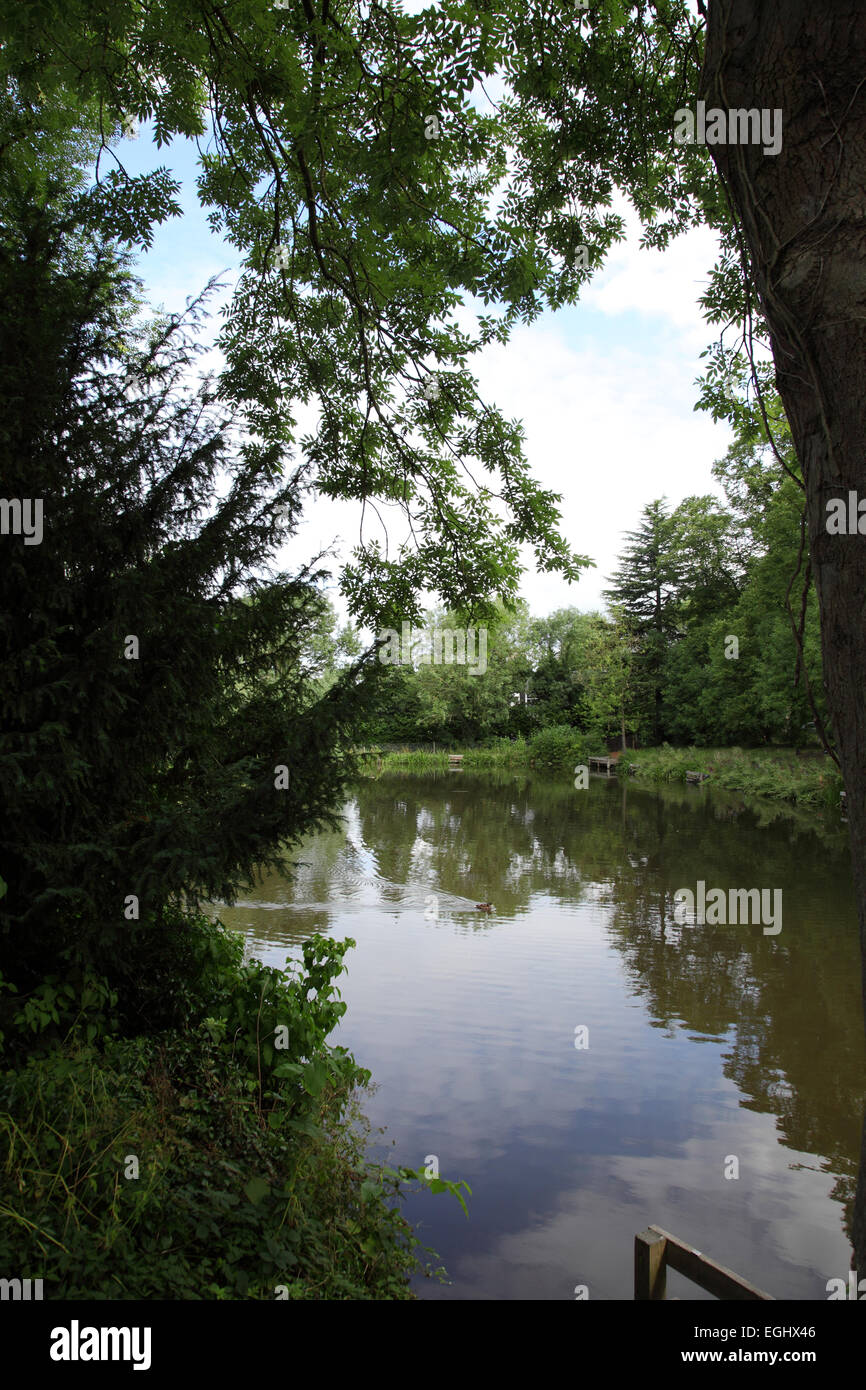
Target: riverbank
<point>803,778</point>
<point>557,748</point>
<point>223,1157</point>
<point>779,774</point>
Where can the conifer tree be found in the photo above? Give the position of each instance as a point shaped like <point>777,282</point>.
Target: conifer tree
<point>162,730</point>
<point>644,586</point>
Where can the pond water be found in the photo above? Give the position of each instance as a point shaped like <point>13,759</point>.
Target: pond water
<point>707,1051</point>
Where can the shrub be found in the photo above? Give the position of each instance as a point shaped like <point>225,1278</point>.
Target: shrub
<point>559,747</point>
<point>251,1172</point>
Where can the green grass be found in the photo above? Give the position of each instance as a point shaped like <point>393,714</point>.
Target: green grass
<point>778,774</point>
<point>775,773</point>
<point>555,748</point>
<point>404,760</point>
<point>221,1206</point>
<point>504,753</point>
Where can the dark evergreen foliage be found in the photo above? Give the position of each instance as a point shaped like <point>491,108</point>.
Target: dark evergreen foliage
<point>153,776</point>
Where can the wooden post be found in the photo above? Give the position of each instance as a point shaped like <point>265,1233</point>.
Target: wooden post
<point>649,1265</point>
<point>709,1274</point>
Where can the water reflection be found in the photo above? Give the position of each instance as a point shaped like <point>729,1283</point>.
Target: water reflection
<point>705,1043</point>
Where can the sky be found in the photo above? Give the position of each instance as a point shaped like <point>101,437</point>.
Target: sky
<point>605,389</point>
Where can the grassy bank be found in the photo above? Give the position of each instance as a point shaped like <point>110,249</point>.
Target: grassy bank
<point>780,774</point>
<point>776,773</point>
<point>557,748</point>
<point>220,1159</point>
<point>512,753</point>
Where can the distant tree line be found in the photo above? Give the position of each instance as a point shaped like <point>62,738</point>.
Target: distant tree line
<point>711,635</point>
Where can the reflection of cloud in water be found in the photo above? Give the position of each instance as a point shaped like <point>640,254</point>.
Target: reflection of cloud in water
<point>702,1043</point>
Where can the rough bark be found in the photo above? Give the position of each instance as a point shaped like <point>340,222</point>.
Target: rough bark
<point>803,217</point>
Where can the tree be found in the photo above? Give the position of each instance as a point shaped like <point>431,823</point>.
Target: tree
<point>462,676</point>
<point>320,122</point>
<point>710,557</point>
<point>645,588</point>
<point>328,647</point>
<point>557,653</point>
<point>611,675</point>
<point>801,247</point>
<point>775,614</point>
<point>346,165</point>
<point>162,731</point>
<point>235,745</point>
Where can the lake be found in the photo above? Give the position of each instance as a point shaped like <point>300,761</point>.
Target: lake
<point>586,1063</point>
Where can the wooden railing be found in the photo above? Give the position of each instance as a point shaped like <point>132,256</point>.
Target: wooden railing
<point>656,1251</point>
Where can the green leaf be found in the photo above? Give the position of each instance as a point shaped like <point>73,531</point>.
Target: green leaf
<point>291,1070</point>
<point>257,1189</point>
<point>314,1078</point>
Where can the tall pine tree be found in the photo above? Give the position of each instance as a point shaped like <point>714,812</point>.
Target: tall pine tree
<point>645,587</point>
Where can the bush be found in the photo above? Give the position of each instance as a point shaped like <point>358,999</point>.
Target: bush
<point>225,1203</point>
<point>558,747</point>
<point>220,1159</point>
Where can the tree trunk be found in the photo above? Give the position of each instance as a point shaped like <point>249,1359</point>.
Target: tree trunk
<point>803,217</point>
<point>660,633</point>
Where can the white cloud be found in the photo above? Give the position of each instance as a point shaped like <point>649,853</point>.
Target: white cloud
<point>615,427</point>
<point>665,284</point>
